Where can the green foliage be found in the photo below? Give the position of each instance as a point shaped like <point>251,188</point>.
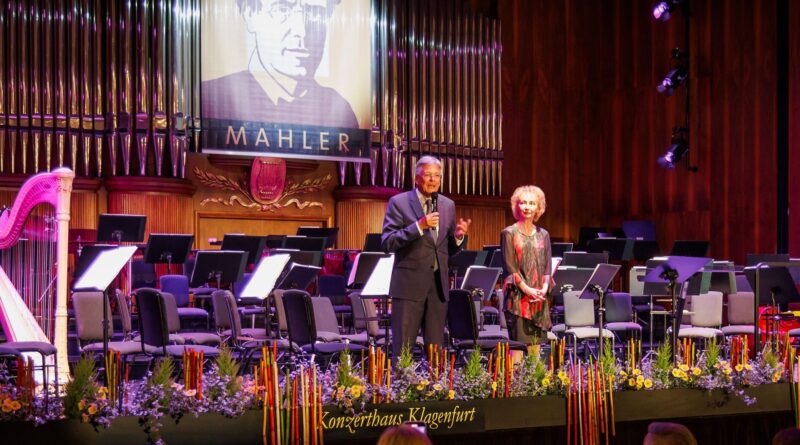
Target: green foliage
<point>713,353</point>
<point>474,367</point>
<point>344,373</point>
<point>228,370</point>
<point>406,360</point>
<point>82,386</point>
<point>770,357</point>
<point>162,373</point>
<point>663,363</point>
<point>607,361</point>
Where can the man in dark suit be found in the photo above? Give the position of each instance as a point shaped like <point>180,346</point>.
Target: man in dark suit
<point>420,227</point>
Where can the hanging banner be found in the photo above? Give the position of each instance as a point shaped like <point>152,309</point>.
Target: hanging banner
<point>282,78</point>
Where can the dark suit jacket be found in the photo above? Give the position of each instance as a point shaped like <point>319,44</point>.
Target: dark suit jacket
<point>414,253</point>
<point>240,97</point>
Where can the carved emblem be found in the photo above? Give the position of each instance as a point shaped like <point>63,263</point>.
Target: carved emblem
<point>251,195</point>
<point>267,179</point>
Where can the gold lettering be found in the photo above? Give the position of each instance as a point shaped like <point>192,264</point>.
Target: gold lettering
<point>412,414</point>
<point>262,137</point>
<point>281,138</point>
<point>323,140</point>
<point>343,139</point>
<point>240,135</point>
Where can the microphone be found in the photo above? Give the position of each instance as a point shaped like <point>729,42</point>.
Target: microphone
<point>434,202</point>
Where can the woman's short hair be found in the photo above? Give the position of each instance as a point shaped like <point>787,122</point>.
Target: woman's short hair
<point>668,433</point>
<point>403,435</point>
<point>537,194</point>
<point>426,160</point>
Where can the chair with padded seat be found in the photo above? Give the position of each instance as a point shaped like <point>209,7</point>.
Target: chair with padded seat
<point>302,329</point>
<point>705,318</point>
<point>89,325</point>
<point>178,286</point>
<point>153,327</point>
<point>741,320</point>
<point>619,314</point>
<point>579,319</point>
<point>462,325</point>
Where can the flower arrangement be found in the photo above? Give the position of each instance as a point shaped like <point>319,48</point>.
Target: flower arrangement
<point>87,400</point>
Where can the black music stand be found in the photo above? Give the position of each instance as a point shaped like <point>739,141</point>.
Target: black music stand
<point>689,248</point>
<point>99,275</point>
<point>121,228</point>
<point>774,280</point>
<point>461,260</point>
<point>618,249</point>
<point>481,281</point>
<point>301,256</point>
<point>596,287</point>
<point>567,278</point>
<point>87,257</point>
<point>372,243</point>
<point>329,233</point>
<point>586,234</point>
<point>168,248</point>
<point>222,266</point>
<point>363,266</point>
<point>265,277</point>
<point>309,243</point>
<point>643,250</point>
<point>253,245</point>
<point>584,259</point>
<point>640,230</point>
<point>558,249</point>
<point>274,241</point>
<point>491,247</point>
<point>496,259</point>
<point>676,270</point>
<point>299,276</point>
<point>753,259</point>
<point>377,286</point>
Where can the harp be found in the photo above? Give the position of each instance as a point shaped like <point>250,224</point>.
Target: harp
<point>43,279</point>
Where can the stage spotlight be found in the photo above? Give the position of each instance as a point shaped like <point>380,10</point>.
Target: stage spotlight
<point>662,10</point>
<point>676,151</point>
<point>674,78</point>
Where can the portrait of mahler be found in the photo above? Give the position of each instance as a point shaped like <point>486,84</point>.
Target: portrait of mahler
<point>279,86</point>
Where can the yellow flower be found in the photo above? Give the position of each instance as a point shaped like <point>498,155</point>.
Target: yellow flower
<point>562,375</point>
<point>727,370</point>
<point>424,382</point>
<point>429,394</point>
<point>494,386</point>
<point>340,392</point>
<point>15,405</point>
<point>355,391</point>
<point>545,382</point>
<point>631,382</point>
<point>748,367</point>
<point>6,408</point>
<point>623,374</point>
<point>639,379</point>
<point>648,383</point>
<point>420,387</point>
<point>739,367</point>
<point>676,372</point>
<point>636,371</point>
<point>565,381</point>
<point>92,409</point>
<point>451,394</point>
<point>776,377</point>
<point>81,405</point>
<point>638,385</point>
<point>696,371</point>
<point>437,387</point>
<point>684,367</point>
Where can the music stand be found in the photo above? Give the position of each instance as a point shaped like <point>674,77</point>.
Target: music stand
<point>263,282</point>
<point>640,230</point>
<point>755,258</point>
<point>567,278</point>
<point>558,249</point>
<point>218,265</point>
<point>619,249</point>
<point>773,279</point>
<point>299,276</point>
<point>584,259</point>
<point>121,228</point>
<point>274,241</point>
<point>363,266</point>
<point>372,243</point>
<point>643,250</point>
<point>252,244</point>
<point>304,243</point>
<point>377,286</point>
<point>689,248</point>
<point>461,260</point>
<point>491,247</point>
<point>329,233</point>
<point>496,260</point>
<point>597,287</point>
<point>481,280</point>
<point>88,255</point>
<point>167,248</point>
<point>99,275</point>
<point>676,270</point>
<point>301,256</point>
<point>586,234</point>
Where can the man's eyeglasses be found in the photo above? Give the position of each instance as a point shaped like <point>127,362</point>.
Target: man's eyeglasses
<point>432,176</point>
<point>281,11</point>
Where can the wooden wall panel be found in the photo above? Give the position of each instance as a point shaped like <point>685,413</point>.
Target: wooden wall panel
<point>583,119</point>
<point>84,208</point>
<point>165,213</point>
<point>357,218</point>
<point>794,128</point>
<point>216,225</point>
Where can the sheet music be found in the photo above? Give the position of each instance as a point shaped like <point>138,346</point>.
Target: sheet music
<point>105,268</point>
<point>378,283</point>
<point>266,276</point>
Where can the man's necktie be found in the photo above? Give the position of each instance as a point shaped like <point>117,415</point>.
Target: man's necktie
<point>434,231</point>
